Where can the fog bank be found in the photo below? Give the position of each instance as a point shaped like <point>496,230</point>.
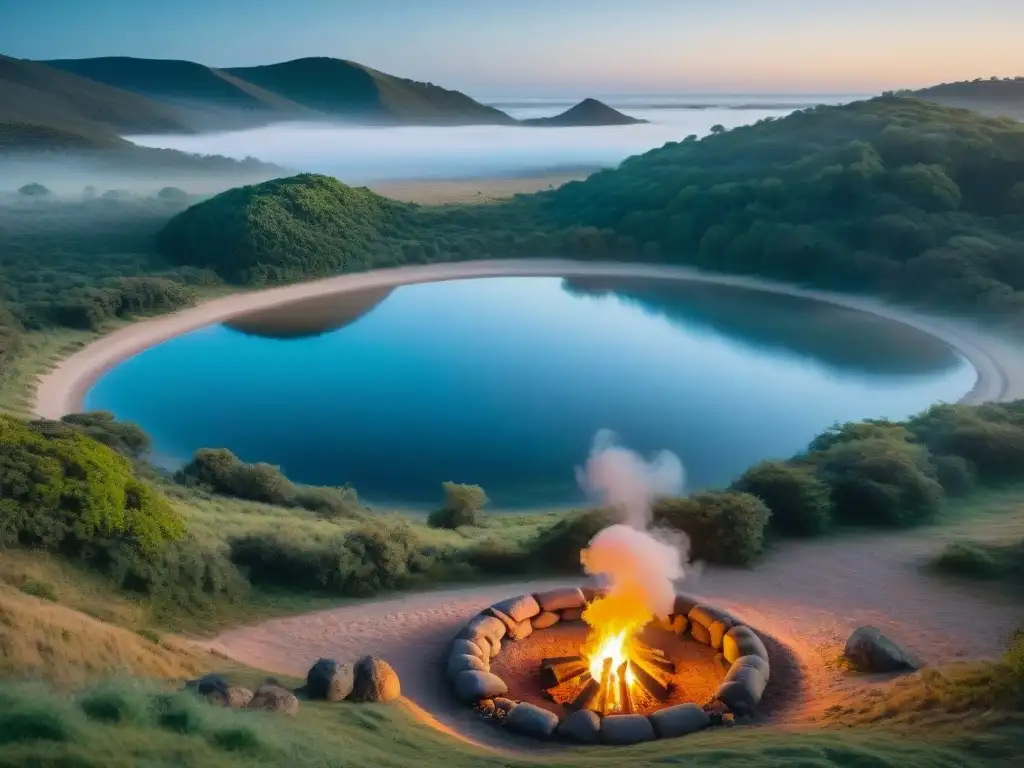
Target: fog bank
<point>362,154</point>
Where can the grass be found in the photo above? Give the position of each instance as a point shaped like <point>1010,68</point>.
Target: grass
<point>129,723</point>
<point>39,353</point>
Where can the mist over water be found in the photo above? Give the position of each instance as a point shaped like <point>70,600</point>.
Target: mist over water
<point>360,154</point>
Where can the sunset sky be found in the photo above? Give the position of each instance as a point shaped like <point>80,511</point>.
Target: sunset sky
<point>539,47</point>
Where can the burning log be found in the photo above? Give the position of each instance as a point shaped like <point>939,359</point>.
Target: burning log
<point>587,698</point>
<point>553,660</point>
<point>625,695</point>
<point>564,692</point>
<point>657,688</point>
<point>558,673</point>
<point>653,657</point>
<point>603,698</point>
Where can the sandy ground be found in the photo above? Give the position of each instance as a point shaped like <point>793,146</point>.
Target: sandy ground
<point>999,364</point>
<point>446,191</point>
<point>806,599</point>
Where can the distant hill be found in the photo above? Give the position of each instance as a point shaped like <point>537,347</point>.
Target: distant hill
<point>589,112</point>
<point>213,98</point>
<point>29,137</point>
<point>997,98</point>
<point>32,93</point>
<point>309,88</point>
<point>342,88</point>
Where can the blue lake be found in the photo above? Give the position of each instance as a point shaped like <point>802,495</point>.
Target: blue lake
<point>504,382</point>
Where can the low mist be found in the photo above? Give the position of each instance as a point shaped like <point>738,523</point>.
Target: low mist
<point>637,564</point>
<point>362,154</point>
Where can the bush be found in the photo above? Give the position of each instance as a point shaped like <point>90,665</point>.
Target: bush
<point>881,429</point>
<point>955,474</point>
<point>28,714</point>
<point>92,308</point>
<point>557,547</point>
<point>375,557</point>
<point>880,481</point>
<point>124,437</point>
<point>41,589</point>
<point>218,470</point>
<point>463,505</point>
<point>71,494</point>
<point>495,557</point>
<point>340,503</point>
<point>968,560</point>
<point>723,527</point>
<point>11,337</point>
<point>798,501</point>
<point>990,437</point>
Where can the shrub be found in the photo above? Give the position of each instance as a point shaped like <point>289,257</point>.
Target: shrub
<point>955,474</point>
<point>798,501</point>
<point>124,437</point>
<point>463,505</point>
<point>558,546</point>
<point>880,481</point>
<point>72,494</point>
<point>340,503</point>
<point>34,190</point>
<point>27,714</point>
<point>963,558</point>
<point>881,429</point>
<point>11,337</point>
<point>92,308</point>
<point>723,527</point>
<point>496,557</point>
<point>41,589</point>
<point>114,703</point>
<point>990,437</point>
<point>366,560</point>
<point>220,471</point>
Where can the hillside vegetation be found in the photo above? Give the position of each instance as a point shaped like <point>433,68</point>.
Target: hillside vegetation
<point>893,196</point>
<point>37,94</point>
<point>999,97</point>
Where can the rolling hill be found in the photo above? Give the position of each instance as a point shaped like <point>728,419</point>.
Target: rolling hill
<point>996,98</point>
<point>589,112</point>
<point>32,93</point>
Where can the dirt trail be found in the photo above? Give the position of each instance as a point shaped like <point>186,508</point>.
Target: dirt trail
<point>807,596</point>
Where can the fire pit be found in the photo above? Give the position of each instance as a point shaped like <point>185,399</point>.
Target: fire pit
<point>617,687</point>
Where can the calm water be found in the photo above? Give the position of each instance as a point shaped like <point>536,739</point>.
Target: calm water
<point>503,382</point>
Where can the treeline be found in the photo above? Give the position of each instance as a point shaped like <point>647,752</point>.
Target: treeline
<point>80,487</point>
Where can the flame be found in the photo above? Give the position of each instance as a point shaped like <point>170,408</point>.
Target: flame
<point>614,620</point>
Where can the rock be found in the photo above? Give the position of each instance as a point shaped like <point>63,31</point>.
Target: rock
<point>868,650</point>
<point>208,684</point>
<point>469,648</point>
<point>684,604</point>
<point>329,680</point>
<point>531,720</point>
<point>708,615</point>
<point>572,614</point>
<point>626,729</point>
<point>590,594</point>
<point>463,662</point>
<point>679,720</point>
<point>583,726</point>
<point>717,632</point>
<point>505,705</point>
<point>679,624</point>
<point>471,686</point>
<point>519,608</point>
<point>375,680</point>
<point>235,697</point>
<point>522,630</point>
<point>274,698</point>
<point>561,599</point>
<point>504,618</point>
<point>741,640</point>
<point>700,633</point>
<point>486,707</point>
<point>742,689</point>
<point>488,628</point>
<point>545,620</point>
<point>721,661</point>
<point>754,661</point>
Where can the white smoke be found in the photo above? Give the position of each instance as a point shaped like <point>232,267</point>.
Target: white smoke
<point>621,478</point>
<point>635,562</point>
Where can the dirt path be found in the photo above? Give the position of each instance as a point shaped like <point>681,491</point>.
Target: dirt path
<point>807,597</point>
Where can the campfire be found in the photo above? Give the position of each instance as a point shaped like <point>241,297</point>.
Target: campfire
<point>616,672</point>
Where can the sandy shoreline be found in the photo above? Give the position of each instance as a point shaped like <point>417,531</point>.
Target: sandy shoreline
<point>999,365</point>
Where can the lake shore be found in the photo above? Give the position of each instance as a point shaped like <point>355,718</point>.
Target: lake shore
<point>999,364</point>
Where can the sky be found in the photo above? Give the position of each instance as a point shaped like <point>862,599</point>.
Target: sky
<point>555,47</point>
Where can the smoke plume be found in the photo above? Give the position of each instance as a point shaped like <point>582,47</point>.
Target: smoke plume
<point>636,563</point>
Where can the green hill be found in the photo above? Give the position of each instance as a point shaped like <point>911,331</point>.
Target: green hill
<point>589,112</point>
<point>33,93</point>
<point>342,88</point>
<point>895,196</point>
<point>211,97</point>
<point>32,137</point>
<point>995,97</point>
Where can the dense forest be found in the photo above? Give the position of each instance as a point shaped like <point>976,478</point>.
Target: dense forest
<point>892,196</point>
